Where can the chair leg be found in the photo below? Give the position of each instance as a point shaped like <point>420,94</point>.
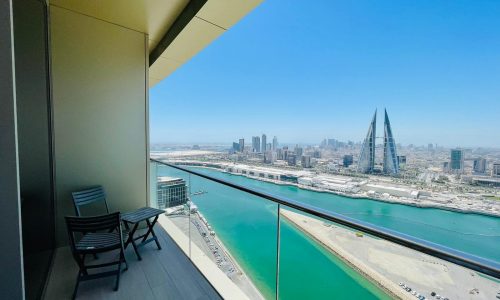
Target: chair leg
<point>81,264</point>
<point>118,275</point>
<point>124,260</point>
<point>76,285</point>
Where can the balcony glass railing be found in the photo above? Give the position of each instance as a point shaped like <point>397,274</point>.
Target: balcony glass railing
<point>256,245</point>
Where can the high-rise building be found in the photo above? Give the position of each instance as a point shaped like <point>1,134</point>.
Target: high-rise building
<point>495,170</point>
<point>269,147</point>
<point>347,160</point>
<point>456,160</point>
<point>306,161</point>
<point>391,165</point>
<point>479,165</point>
<point>171,192</point>
<point>242,145</point>
<point>264,143</point>
<point>291,159</point>
<point>269,157</point>
<point>366,162</point>
<point>332,143</point>
<point>430,147</point>
<point>401,160</point>
<point>317,153</point>
<point>255,144</point>
<point>279,154</point>
<point>275,143</point>
<point>236,147</point>
<point>298,151</point>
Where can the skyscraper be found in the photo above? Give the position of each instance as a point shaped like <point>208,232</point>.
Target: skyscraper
<point>255,144</point>
<point>242,145</point>
<point>495,170</point>
<point>366,162</point>
<point>264,143</point>
<point>391,164</point>
<point>456,160</point>
<point>279,154</point>
<point>236,147</point>
<point>275,143</point>
<point>480,165</point>
<point>306,161</point>
<point>298,151</point>
<point>402,161</point>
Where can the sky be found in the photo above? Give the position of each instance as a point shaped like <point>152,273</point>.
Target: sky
<point>305,72</point>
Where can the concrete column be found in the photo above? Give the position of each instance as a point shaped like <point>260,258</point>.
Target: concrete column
<point>11,253</point>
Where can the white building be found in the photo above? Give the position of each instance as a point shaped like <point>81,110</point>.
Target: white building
<point>391,190</point>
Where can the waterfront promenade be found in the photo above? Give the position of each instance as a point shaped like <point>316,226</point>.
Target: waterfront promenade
<point>372,187</point>
<point>194,227</point>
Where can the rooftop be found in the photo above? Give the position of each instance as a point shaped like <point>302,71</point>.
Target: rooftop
<point>168,179</point>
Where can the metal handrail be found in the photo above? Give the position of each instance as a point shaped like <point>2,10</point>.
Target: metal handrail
<point>476,263</point>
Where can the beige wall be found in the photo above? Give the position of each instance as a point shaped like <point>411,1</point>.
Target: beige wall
<point>100,103</point>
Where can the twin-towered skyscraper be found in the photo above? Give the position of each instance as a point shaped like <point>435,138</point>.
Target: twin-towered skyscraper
<point>366,162</point>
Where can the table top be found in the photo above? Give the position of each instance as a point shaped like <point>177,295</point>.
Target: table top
<point>141,214</point>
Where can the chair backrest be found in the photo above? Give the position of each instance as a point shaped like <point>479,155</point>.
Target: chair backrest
<point>84,225</point>
<point>88,196</point>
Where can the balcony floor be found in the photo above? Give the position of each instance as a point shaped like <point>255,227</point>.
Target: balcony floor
<point>162,274</point>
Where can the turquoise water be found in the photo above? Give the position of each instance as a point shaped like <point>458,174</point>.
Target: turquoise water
<point>247,226</point>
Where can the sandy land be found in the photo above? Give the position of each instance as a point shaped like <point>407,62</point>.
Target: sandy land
<point>386,264</point>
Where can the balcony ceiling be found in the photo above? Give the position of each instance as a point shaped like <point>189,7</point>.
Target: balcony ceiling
<point>155,17</point>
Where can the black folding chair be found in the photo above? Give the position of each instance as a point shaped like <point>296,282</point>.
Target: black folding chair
<point>89,196</point>
<point>92,235</point>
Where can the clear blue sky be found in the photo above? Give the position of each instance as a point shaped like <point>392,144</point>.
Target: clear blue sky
<point>306,70</point>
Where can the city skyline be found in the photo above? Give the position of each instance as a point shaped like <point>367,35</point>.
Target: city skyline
<point>229,142</point>
<point>435,65</point>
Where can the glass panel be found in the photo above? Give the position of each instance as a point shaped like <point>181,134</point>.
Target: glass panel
<point>328,260</point>
<point>170,192</point>
<point>234,233</point>
<point>34,145</point>
<point>241,235</point>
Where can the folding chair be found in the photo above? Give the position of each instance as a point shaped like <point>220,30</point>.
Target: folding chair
<point>89,196</point>
<point>97,235</point>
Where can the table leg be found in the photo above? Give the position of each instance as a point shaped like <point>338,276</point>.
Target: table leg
<point>131,240</point>
<point>152,232</point>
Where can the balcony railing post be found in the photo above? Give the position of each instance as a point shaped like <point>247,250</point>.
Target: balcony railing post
<point>189,214</point>
<point>278,238</point>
